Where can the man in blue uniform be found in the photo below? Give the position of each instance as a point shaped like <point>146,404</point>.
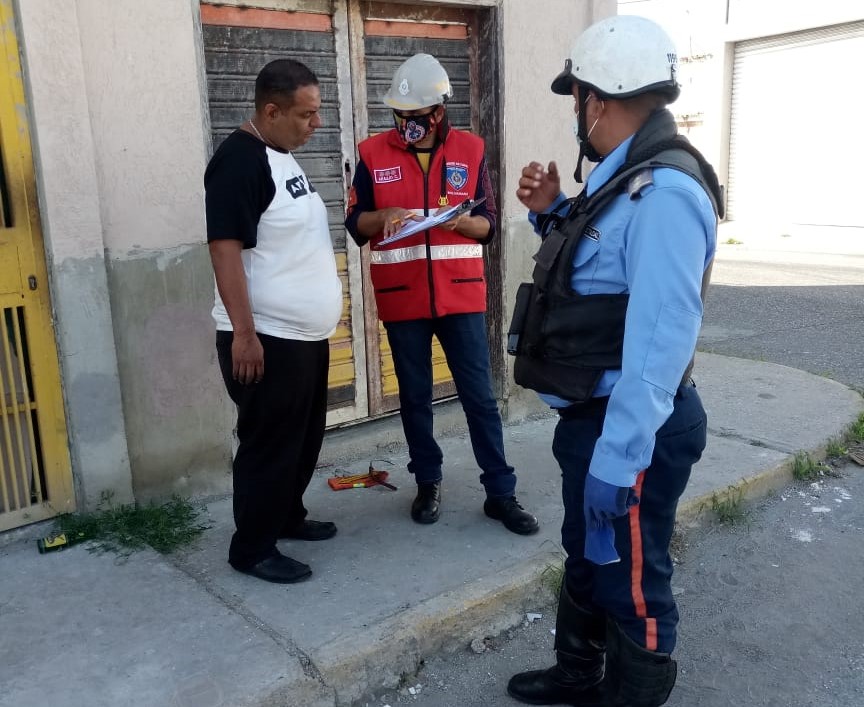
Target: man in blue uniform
<point>606,333</point>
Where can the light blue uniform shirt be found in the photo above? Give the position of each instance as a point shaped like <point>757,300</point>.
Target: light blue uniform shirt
<point>655,246</point>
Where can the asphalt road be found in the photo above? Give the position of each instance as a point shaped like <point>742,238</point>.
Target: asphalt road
<point>770,614</point>
<point>802,307</point>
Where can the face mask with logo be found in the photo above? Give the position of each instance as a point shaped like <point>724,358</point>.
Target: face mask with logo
<point>413,128</point>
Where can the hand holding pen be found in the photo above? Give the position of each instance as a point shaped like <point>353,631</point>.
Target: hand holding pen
<point>394,218</point>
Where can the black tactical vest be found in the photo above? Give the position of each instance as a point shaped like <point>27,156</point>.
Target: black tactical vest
<point>563,341</point>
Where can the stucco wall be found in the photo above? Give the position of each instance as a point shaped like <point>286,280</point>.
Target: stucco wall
<point>538,126</point>
<point>142,66</point>
<point>68,190</point>
<point>118,110</point>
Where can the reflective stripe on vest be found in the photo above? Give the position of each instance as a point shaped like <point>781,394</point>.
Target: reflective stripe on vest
<point>418,252</point>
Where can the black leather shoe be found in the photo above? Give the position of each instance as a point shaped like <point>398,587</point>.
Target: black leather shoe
<point>511,514</point>
<point>311,530</point>
<point>278,569</point>
<point>427,505</point>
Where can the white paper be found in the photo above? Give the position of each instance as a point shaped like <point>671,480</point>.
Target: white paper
<point>412,226</point>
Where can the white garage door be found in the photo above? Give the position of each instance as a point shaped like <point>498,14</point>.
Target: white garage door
<point>796,151</point>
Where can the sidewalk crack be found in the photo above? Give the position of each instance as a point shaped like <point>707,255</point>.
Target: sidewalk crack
<point>772,444</point>
<point>308,666</point>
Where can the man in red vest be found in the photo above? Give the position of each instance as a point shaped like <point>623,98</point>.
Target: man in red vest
<point>433,282</point>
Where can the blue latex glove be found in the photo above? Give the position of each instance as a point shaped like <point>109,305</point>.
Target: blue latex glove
<point>603,502</point>
<point>600,544</point>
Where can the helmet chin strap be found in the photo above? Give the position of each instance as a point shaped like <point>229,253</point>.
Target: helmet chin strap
<point>586,149</point>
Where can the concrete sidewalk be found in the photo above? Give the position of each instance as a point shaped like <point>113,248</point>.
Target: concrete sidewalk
<point>80,629</point>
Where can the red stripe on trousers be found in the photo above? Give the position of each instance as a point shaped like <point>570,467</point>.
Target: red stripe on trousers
<point>637,562</point>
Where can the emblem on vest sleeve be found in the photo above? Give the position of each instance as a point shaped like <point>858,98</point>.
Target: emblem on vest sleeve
<point>457,175</point>
<point>386,176</point>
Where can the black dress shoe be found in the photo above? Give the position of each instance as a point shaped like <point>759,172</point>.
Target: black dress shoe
<point>427,505</point>
<point>511,514</point>
<point>278,569</point>
<point>310,530</point>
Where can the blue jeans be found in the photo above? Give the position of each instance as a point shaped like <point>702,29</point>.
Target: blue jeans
<point>635,592</point>
<point>463,339</point>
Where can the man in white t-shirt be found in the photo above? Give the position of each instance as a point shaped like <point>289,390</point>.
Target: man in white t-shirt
<point>278,298</point>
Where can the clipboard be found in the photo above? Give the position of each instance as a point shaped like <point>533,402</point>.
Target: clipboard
<point>411,227</point>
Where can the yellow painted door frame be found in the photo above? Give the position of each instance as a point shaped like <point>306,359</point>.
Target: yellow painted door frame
<point>35,469</point>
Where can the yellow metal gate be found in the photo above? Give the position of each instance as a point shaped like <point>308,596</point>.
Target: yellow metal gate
<point>35,474</point>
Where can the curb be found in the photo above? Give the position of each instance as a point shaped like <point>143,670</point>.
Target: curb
<point>394,649</point>
<point>697,511</point>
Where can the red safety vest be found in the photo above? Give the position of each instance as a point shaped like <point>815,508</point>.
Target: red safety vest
<point>432,273</point>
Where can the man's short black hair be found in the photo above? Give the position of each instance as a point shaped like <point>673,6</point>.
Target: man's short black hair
<point>280,79</point>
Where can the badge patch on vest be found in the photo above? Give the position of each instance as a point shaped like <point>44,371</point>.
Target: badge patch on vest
<point>457,175</point>
<point>592,233</point>
<point>386,176</point>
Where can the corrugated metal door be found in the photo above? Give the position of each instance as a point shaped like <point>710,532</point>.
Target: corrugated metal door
<point>35,470</point>
<point>390,35</point>
<point>237,44</point>
<point>796,141</point>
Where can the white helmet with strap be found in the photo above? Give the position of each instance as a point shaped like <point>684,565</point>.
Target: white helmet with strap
<point>420,82</point>
<point>621,57</point>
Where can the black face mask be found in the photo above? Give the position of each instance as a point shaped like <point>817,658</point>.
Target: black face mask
<point>586,149</point>
<point>413,128</point>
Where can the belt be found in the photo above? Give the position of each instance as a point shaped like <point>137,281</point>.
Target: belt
<point>594,407</point>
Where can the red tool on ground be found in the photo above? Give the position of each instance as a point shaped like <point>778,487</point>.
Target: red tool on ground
<point>374,477</point>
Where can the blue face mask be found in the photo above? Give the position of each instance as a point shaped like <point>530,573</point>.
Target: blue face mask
<point>413,128</point>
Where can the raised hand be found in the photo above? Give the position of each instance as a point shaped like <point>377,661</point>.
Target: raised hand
<point>539,186</point>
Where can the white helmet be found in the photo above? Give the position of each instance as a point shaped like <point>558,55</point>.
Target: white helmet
<point>620,57</point>
<point>419,82</point>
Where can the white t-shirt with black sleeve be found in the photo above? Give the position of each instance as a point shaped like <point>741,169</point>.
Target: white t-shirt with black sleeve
<point>261,196</point>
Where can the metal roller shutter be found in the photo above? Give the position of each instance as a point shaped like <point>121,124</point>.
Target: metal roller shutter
<point>789,162</point>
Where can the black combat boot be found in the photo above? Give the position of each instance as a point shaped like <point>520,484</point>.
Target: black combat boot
<point>426,508</point>
<point>636,677</point>
<point>576,678</point>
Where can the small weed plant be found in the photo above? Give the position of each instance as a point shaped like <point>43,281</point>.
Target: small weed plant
<point>733,241</point>
<point>552,577</point>
<point>855,433</point>
<point>805,468</point>
<point>728,506</point>
<point>835,449</point>
<point>125,529</point>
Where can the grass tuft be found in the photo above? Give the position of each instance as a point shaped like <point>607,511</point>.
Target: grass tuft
<point>552,577</point>
<point>728,506</point>
<point>855,433</point>
<point>128,528</point>
<point>836,449</point>
<point>805,468</point>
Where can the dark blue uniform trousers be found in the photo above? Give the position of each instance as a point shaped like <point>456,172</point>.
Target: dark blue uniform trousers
<point>463,339</point>
<point>635,592</point>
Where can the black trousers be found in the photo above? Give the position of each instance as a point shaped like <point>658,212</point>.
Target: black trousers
<point>280,427</point>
